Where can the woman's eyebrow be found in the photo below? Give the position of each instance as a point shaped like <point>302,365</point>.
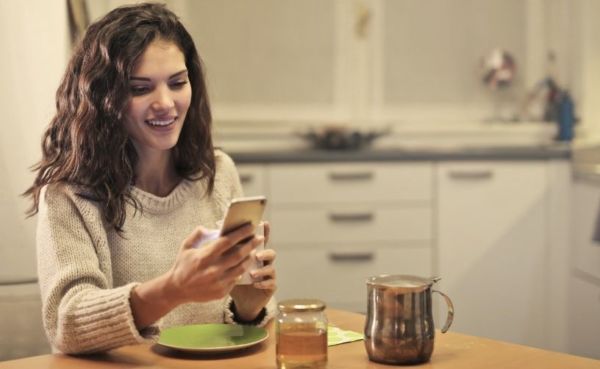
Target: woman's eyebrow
<point>134,78</point>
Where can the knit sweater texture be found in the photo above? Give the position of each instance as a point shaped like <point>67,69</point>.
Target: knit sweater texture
<point>87,270</point>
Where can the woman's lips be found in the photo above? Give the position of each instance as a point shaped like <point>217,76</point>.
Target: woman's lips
<point>165,122</point>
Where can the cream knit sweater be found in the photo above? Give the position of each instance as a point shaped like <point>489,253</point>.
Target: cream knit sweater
<point>86,270</point>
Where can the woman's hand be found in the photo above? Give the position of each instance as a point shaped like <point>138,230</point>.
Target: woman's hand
<point>210,273</point>
<point>251,298</point>
<point>204,274</point>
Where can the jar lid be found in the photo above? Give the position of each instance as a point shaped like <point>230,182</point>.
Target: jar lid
<point>297,305</point>
<point>403,282</point>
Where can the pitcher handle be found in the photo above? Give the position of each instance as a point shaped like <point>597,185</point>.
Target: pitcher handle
<point>450,316</point>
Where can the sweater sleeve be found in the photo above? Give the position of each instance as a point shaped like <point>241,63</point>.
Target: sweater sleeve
<point>270,310</point>
<point>82,312</point>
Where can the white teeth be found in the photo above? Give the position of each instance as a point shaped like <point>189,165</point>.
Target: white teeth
<point>160,123</point>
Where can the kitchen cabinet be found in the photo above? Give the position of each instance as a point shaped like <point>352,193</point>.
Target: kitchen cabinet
<point>584,316</point>
<point>349,183</point>
<point>21,322</point>
<point>335,224</point>
<point>584,280</point>
<point>354,62</point>
<point>496,231</point>
<point>586,225</point>
<point>337,272</point>
<point>494,248</point>
<point>269,59</point>
<point>439,81</point>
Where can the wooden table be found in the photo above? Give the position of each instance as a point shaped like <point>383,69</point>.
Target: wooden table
<point>452,350</point>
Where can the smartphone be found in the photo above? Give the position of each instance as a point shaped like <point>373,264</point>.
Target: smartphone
<point>241,211</point>
<point>244,210</point>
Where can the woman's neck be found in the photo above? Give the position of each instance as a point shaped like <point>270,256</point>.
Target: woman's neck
<point>156,174</point>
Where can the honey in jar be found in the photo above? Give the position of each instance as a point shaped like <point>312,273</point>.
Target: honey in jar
<point>301,330</point>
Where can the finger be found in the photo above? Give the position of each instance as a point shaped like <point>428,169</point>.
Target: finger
<point>194,237</point>
<point>268,284</point>
<point>240,253</point>
<point>232,274</point>
<point>267,272</point>
<point>266,256</point>
<point>233,238</point>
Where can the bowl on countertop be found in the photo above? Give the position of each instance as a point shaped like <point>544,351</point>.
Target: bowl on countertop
<point>342,138</point>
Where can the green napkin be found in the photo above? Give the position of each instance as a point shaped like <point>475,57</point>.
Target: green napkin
<point>336,336</point>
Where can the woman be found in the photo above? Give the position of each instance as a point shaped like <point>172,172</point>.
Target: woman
<point>128,175</point>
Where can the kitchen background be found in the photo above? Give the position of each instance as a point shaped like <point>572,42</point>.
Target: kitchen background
<point>518,257</point>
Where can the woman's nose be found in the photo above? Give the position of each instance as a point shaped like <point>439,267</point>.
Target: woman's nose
<point>162,99</point>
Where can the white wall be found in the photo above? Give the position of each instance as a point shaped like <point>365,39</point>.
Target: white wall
<point>34,44</point>
<point>590,68</point>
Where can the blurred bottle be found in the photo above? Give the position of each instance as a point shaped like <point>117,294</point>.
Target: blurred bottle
<point>566,117</point>
<point>553,96</point>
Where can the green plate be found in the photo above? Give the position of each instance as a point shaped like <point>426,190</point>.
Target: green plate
<point>211,337</point>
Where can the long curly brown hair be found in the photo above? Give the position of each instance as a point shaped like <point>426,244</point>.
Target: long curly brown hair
<point>86,143</point>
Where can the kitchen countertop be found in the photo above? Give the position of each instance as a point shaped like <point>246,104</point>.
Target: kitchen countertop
<point>281,143</point>
<point>307,155</point>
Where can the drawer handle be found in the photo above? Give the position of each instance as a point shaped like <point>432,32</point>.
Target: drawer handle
<point>246,178</point>
<point>18,281</point>
<point>471,174</point>
<point>351,256</point>
<point>356,176</point>
<point>351,217</point>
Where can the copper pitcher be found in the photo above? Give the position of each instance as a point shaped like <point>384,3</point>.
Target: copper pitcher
<point>399,327</point>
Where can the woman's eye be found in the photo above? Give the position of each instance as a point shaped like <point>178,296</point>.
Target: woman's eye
<point>139,90</point>
<point>178,84</point>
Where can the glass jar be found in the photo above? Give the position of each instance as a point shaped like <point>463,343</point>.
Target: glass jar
<point>301,330</point>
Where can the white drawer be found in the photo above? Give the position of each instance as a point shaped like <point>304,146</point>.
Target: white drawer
<point>338,276</point>
<point>349,223</point>
<point>350,182</point>
<point>253,179</point>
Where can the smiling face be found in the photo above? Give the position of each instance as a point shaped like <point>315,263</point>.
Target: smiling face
<point>160,95</point>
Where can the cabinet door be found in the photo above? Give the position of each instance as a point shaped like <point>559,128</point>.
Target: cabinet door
<point>267,59</point>
<point>440,80</point>
<point>586,215</point>
<point>584,316</point>
<point>21,322</point>
<point>583,324</point>
<point>337,274</point>
<point>492,247</point>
